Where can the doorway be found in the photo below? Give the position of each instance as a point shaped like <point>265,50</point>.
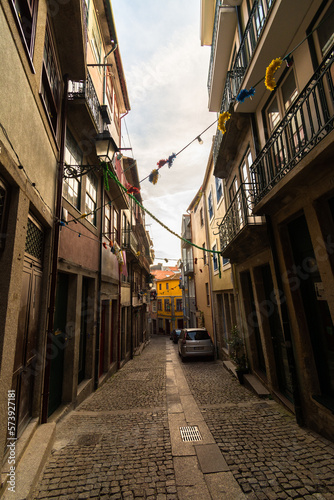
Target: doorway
<point>58,343</point>
<point>315,306</point>
<point>28,325</point>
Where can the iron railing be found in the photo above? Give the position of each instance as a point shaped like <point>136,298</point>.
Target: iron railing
<point>219,4</point>
<point>187,234</point>
<point>129,241</point>
<point>309,120</point>
<point>238,215</point>
<point>85,90</point>
<point>188,267</point>
<point>253,30</point>
<point>254,27</point>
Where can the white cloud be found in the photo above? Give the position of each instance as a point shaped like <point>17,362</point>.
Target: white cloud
<point>166,73</point>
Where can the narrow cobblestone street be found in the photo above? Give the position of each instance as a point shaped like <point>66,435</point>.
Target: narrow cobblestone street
<point>118,444</point>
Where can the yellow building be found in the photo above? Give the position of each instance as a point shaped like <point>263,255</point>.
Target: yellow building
<point>169,300</point>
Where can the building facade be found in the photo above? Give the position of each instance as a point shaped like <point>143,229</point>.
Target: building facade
<point>169,300</point>
<point>32,117</point>
<point>73,289</point>
<point>275,158</point>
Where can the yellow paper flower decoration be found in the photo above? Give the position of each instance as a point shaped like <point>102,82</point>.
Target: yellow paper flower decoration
<point>223,117</point>
<point>270,71</point>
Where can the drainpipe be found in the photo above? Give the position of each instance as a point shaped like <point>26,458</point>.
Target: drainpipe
<point>54,265</point>
<point>286,328</point>
<point>98,321</point>
<point>104,71</point>
<point>131,308</point>
<point>210,272</point>
<point>119,319</point>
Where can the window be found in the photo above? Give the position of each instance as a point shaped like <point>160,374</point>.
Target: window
<point>50,87</point>
<point>215,258</point>
<point>179,305</point>
<point>167,286</point>
<point>116,225</point>
<point>204,254</point>
<point>159,305</point>
<point>159,286</point>
<point>225,261</point>
<point>207,294</point>
<point>91,198</point>
<point>273,115</point>
<point>167,305</point>
<point>3,201</point>
<point>210,206</point>
<point>286,94</point>
<point>96,41</point>
<point>201,217</point>
<point>107,221</point>
<point>325,31</point>
<point>219,189</point>
<point>73,157</point>
<point>26,15</point>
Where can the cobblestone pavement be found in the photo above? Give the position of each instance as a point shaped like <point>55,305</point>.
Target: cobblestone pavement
<point>269,455</point>
<point>116,445</point>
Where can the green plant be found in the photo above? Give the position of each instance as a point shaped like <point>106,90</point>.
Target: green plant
<point>237,349</point>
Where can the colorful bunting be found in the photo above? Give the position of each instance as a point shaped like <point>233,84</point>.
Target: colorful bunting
<point>153,177</point>
<point>244,93</point>
<point>223,117</point>
<point>269,81</point>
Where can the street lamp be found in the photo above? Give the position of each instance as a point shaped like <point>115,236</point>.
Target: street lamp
<point>105,146</point>
<point>105,150</point>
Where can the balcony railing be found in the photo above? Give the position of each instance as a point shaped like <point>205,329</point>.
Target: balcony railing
<point>187,234</point>
<point>219,4</point>
<point>188,267</point>
<point>238,215</point>
<point>86,90</point>
<point>129,241</point>
<point>309,120</point>
<point>253,30</point>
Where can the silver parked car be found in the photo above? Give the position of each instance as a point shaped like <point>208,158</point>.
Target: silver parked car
<point>195,342</point>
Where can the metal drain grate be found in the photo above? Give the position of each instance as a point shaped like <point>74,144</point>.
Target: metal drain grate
<point>190,433</point>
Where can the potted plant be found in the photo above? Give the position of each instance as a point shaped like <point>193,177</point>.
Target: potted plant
<point>237,353</point>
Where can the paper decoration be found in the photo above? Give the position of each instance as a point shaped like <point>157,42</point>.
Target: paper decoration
<point>244,93</point>
<point>223,117</point>
<point>153,177</point>
<point>269,81</point>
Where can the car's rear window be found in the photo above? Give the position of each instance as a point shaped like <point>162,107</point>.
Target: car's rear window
<point>198,335</point>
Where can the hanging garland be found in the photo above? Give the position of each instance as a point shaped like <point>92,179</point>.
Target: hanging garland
<point>154,175</point>
<point>223,117</point>
<point>244,93</point>
<point>269,81</point>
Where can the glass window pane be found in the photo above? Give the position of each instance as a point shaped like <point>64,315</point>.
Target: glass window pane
<point>289,90</point>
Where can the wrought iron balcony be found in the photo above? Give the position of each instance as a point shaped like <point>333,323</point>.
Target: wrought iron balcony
<point>129,241</point>
<point>253,30</point>
<point>188,267</point>
<point>219,4</point>
<point>187,234</point>
<point>234,77</point>
<point>307,122</point>
<point>86,90</point>
<point>238,216</point>
<point>255,24</point>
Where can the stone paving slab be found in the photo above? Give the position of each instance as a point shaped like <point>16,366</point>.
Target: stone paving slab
<point>210,458</point>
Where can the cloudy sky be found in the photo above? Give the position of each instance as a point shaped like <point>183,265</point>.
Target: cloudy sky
<point>166,73</point>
